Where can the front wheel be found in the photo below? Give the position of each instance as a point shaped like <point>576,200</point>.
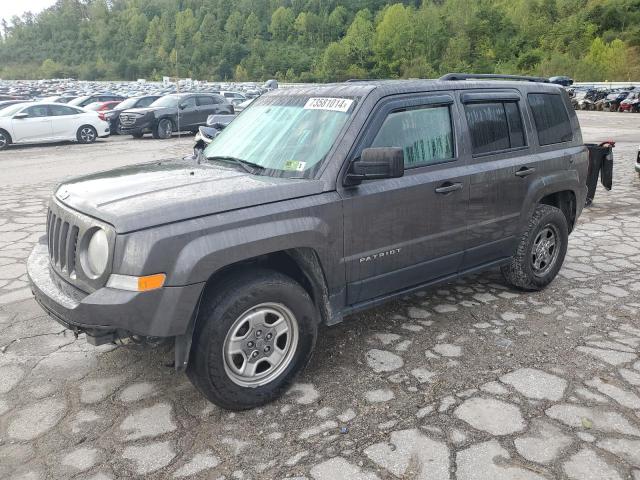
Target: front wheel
<point>5,139</point>
<point>86,134</point>
<point>541,250</point>
<point>252,337</point>
<point>164,129</point>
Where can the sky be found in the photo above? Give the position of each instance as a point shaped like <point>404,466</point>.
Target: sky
<point>9,8</point>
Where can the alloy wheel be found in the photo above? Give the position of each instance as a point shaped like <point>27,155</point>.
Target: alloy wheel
<point>545,250</point>
<point>87,134</point>
<point>260,345</point>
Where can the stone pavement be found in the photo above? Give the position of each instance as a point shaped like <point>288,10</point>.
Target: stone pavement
<point>471,380</point>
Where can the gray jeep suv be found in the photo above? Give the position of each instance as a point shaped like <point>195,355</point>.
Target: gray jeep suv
<point>316,202</point>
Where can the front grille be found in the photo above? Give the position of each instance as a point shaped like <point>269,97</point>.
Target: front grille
<point>127,119</point>
<point>63,243</point>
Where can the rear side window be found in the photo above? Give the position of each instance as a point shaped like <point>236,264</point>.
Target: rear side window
<point>60,110</point>
<point>425,135</point>
<point>494,126</point>
<point>551,118</point>
<point>205,100</point>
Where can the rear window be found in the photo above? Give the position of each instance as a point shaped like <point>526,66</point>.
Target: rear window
<point>551,118</point>
<point>494,126</point>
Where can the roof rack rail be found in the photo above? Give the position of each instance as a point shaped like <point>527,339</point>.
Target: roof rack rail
<point>491,76</point>
<point>354,80</point>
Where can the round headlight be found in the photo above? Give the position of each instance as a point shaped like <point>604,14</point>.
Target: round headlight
<point>98,253</point>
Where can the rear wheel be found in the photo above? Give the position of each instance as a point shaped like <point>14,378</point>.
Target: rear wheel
<point>541,251</point>
<point>253,336</point>
<point>137,134</point>
<point>164,129</point>
<point>5,139</point>
<point>86,134</point>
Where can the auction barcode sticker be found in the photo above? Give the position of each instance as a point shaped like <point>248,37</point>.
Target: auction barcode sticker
<point>335,104</point>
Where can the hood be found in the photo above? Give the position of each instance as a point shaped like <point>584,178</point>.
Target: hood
<point>146,195</point>
<point>145,110</point>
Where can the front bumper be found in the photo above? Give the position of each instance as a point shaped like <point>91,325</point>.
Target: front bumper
<point>109,313</point>
<point>139,126</point>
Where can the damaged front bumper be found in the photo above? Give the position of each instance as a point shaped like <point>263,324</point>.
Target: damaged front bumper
<point>108,314</point>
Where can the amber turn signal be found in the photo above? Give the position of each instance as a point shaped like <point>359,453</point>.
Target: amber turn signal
<point>151,282</point>
<point>137,284</point>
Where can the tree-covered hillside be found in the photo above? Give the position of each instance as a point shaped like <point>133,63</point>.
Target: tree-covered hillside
<point>321,40</point>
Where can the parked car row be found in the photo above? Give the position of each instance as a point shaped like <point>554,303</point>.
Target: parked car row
<point>605,99</point>
<point>133,108</point>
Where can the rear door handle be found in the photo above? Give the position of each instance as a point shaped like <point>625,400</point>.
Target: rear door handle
<point>448,187</point>
<point>525,172</point>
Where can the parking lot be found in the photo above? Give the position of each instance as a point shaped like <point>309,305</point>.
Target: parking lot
<point>471,380</point>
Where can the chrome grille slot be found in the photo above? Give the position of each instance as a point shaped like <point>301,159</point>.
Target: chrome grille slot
<point>62,244</point>
<point>56,239</point>
<point>72,246</point>
<point>50,218</point>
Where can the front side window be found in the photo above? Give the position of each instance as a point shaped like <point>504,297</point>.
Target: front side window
<point>284,135</point>
<point>37,111</point>
<point>189,102</point>
<point>551,118</point>
<point>425,135</point>
<point>494,126</point>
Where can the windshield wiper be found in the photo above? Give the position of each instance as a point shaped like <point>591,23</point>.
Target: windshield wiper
<point>250,167</point>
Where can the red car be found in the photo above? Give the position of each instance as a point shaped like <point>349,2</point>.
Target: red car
<point>631,103</point>
<point>102,107</point>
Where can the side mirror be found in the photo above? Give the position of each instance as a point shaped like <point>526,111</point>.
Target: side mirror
<point>21,115</point>
<point>182,106</point>
<point>377,163</point>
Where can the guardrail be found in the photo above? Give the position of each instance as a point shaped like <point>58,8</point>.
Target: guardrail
<point>606,84</point>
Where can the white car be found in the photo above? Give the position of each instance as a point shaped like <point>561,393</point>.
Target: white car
<point>49,122</point>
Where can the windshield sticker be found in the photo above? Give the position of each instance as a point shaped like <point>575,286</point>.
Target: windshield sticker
<point>334,104</point>
<point>294,165</point>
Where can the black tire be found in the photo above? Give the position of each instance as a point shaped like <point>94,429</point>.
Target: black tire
<point>5,139</point>
<point>163,129</point>
<point>219,316</point>
<point>86,134</point>
<point>521,272</point>
<point>137,134</point>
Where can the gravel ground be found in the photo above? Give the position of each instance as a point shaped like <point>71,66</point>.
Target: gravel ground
<point>468,381</point>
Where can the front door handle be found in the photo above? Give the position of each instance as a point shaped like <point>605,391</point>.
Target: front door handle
<point>448,187</point>
<point>525,172</point>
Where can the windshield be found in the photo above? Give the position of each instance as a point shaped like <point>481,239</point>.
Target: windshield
<point>93,106</point>
<point>288,136</point>
<point>10,110</point>
<point>128,103</point>
<point>168,101</point>
<point>79,100</point>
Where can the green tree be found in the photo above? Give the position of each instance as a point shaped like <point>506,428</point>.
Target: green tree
<point>282,22</point>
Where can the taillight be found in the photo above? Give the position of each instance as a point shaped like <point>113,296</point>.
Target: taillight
<point>101,116</point>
